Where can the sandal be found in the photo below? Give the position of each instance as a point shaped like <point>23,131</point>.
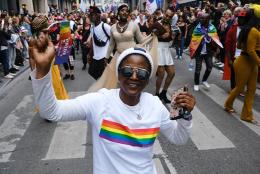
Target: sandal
<point>251,121</point>
<point>229,110</point>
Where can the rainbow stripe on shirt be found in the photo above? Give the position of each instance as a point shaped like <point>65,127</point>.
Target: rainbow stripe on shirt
<point>121,134</point>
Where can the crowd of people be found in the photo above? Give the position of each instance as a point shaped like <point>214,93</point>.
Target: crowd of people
<point>207,33</point>
<point>124,50</point>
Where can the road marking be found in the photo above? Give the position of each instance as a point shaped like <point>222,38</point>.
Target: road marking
<point>69,138</point>
<point>14,127</point>
<point>257,91</point>
<point>219,96</point>
<point>205,135</point>
<point>68,141</point>
<point>157,151</point>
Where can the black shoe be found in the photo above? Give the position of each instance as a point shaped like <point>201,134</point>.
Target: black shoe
<point>48,121</point>
<point>84,67</point>
<point>67,76</point>
<point>163,97</point>
<point>29,78</point>
<point>19,64</point>
<point>72,77</point>
<point>12,71</point>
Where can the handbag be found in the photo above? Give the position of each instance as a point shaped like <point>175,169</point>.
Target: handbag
<point>99,42</point>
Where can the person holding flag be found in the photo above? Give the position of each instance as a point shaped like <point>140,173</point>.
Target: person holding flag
<point>204,42</point>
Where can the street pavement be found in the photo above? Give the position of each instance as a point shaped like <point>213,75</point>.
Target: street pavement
<point>220,142</point>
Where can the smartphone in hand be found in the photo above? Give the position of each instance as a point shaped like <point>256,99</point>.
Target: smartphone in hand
<point>176,110</point>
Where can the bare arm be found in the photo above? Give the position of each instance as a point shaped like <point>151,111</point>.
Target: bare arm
<point>138,35</point>
<point>112,45</point>
<point>49,107</point>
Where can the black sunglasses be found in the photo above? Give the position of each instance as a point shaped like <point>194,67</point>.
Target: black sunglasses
<point>127,71</point>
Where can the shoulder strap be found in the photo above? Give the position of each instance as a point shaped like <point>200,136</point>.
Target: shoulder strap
<point>103,28</point>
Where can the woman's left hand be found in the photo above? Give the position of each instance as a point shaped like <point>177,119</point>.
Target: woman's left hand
<point>185,100</point>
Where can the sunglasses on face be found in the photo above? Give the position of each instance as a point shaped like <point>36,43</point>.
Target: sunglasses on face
<point>128,71</point>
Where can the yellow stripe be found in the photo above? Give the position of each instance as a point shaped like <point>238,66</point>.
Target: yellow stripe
<point>196,37</point>
<point>65,30</point>
<point>128,134</point>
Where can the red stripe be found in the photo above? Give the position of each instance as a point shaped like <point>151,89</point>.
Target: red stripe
<point>115,125</point>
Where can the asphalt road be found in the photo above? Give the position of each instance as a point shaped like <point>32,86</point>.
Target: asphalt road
<point>220,143</point>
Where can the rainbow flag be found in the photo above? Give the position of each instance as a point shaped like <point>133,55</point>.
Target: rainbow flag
<point>151,6</point>
<point>65,43</point>
<point>121,134</point>
<point>197,37</point>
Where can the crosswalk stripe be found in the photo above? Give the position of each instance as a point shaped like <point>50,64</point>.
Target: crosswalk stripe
<point>219,96</point>
<point>69,138</point>
<point>257,92</point>
<point>14,127</point>
<point>157,150</point>
<point>68,141</point>
<point>205,135</point>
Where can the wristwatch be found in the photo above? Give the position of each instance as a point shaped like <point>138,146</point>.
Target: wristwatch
<point>184,114</point>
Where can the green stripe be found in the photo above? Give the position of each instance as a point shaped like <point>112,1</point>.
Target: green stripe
<point>139,140</point>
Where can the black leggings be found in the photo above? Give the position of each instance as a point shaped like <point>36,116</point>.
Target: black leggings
<point>209,65</point>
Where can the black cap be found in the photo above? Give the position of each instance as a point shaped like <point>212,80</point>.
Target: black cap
<point>94,9</point>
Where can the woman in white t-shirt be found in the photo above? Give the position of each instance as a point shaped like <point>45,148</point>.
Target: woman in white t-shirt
<point>125,121</point>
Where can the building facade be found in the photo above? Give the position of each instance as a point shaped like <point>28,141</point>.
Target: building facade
<point>39,6</point>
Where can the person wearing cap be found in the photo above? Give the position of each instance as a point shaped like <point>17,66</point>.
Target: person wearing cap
<point>246,66</point>
<point>100,36</point>
<point>232,52</point>
<point>125,121</point>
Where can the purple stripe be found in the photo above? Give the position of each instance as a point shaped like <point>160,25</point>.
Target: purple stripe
<point>123,142</point>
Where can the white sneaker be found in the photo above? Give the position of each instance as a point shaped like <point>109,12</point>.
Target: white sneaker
<point>186,50</point>
<point>9,76</point>
<point>221,65</point>
<point>16,67</point>
<point>196,88</point>
<point>12,74</point>
<point>206,84</point>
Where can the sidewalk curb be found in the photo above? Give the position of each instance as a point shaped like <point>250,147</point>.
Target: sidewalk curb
<point>8,81</point>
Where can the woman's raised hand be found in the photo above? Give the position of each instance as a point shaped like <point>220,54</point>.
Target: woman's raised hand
<point>43,53</point>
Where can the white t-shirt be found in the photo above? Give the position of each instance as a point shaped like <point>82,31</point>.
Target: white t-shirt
<point>72,24</point>
<point>100,52</point>
<point>122,142</point>
<point>238,51</point>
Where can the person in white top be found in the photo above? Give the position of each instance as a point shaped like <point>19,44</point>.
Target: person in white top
<point>100,36</point>
<point>125,121</point>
